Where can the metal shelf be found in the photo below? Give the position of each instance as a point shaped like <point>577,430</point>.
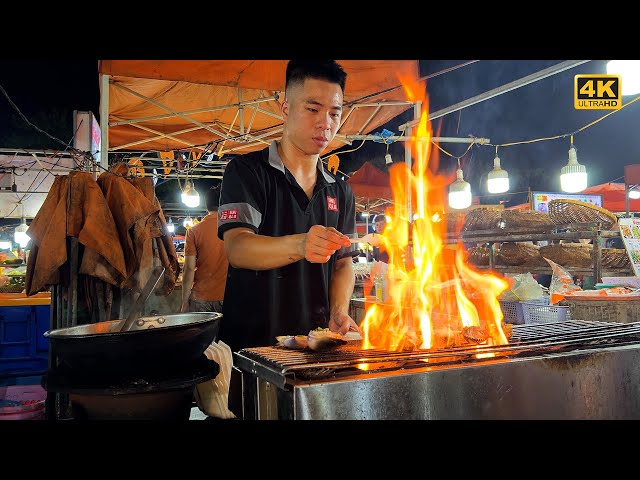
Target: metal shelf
<point>521,235</point>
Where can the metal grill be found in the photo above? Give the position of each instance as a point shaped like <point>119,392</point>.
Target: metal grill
<point>278,363</point>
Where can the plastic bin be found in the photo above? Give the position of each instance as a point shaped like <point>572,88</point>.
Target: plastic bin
<point>619,311</point>
<point>537,313</point>
<point>24,350</point>
<point>22,402</point>
<point>512,310</point>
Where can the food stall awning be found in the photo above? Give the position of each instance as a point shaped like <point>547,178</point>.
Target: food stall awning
<point>232,106</point>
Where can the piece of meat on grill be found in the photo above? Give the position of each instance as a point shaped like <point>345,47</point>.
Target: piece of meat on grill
<point>323,338</point>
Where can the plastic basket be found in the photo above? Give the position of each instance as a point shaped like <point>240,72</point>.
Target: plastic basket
<point>619,311</point>
<point>512,310</point>
<point>536,313</point>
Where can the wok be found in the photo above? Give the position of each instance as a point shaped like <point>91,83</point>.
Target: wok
<point>153,344</point>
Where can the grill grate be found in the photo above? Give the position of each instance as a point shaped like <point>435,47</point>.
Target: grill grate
<point>526,340</point>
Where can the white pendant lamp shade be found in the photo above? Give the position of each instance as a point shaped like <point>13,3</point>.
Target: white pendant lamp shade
<point>190,196</point>
<point>634,194</point>
<point>459,192</point>
<point>573,176</point>
<point>629,71</point>
<point>497,179</point>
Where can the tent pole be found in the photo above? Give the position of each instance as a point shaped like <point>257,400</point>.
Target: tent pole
<point>104,121</point>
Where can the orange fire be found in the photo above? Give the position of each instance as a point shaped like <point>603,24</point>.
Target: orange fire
<point>433,297</point>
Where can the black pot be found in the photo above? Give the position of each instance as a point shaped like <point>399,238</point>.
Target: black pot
<point>159,343</point>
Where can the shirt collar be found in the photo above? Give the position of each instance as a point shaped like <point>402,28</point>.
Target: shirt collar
<point>276,162</point>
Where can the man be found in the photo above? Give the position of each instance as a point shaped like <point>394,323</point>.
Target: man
<point>285,219</point>
<point>379,253</point>
<point>205,262</point>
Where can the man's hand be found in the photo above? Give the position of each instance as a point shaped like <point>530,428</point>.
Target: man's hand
<point>341,322</point>
<point>322,242</point>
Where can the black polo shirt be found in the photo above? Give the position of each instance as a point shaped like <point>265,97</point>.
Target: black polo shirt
<point>259,193</point>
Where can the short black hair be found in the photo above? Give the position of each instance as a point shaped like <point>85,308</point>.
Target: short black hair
<point>212,199</point>
<point>330,70</point>
<point>379,218</point>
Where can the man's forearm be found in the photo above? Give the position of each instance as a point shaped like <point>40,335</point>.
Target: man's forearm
<point>341,288</point>
<point>187,284</point>
<point>259,252</point>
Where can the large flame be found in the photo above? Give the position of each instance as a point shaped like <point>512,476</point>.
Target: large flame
<point>434,297</point>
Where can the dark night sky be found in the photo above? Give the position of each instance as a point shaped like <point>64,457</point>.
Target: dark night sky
<point>48,91</point>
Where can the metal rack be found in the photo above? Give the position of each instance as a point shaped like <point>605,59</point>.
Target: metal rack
<point>592,232</point>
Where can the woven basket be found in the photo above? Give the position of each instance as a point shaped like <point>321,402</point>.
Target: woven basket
<point>526,219</point>
<point>479,256</point>
<point>482,219</point>
<point>515,253</point>
<point>536,261</point>
<point>572,213</point>
<point>455,221</point>
<point>569,254</point>
<point>615,258</point>
<point>12,289</point>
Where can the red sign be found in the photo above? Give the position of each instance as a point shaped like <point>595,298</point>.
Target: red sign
<point>332,203</point>
<point>229,214</point>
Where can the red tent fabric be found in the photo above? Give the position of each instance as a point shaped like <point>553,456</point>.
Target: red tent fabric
<point>369,181</point>
<point>613,198</point>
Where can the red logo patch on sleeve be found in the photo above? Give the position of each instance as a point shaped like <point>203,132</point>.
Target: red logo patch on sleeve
<point>229,214</point>
<point>332,203</point>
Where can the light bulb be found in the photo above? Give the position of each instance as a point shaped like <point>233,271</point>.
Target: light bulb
<point>459,192</point>
<point>190,196</point>
<point>573,176</point>
<point>629,71</point>
<point>188,222</point>
<point>170,226</point>
<point>20,235</point>
<point>635,194</point>
<point>497,179</point>
<point>387,159</point>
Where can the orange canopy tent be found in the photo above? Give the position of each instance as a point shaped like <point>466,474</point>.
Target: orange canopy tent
<point>613,198</point>
<point>232,106</point>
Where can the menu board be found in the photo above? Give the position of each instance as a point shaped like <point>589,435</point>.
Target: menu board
<point>630,232</point>
<point>541,200</point>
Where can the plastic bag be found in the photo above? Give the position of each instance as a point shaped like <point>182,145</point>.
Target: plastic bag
<point>525,288</point>
<point>212,397</point>
<point>561,282</point>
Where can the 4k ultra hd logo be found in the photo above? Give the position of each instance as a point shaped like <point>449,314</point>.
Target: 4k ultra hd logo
<point>598,92</point>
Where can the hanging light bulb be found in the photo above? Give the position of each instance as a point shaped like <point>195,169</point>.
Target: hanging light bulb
<point>629,71</point>
<point>497,179</point>
<point>20,235</point>
<point>387,159</point>
<point>188,222</point>
<point>190,196</point>
<point>634,194</point>
<point>573,176</point>
<point>459,192</point>
<point>170,226</point>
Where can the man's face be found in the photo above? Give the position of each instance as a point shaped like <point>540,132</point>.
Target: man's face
<point>380,226</point>
<point>312,113</point>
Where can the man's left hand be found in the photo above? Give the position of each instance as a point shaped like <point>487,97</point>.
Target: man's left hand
<point>342,323</point>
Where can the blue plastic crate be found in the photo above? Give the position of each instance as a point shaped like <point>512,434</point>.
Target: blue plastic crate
<point>24,350</point>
